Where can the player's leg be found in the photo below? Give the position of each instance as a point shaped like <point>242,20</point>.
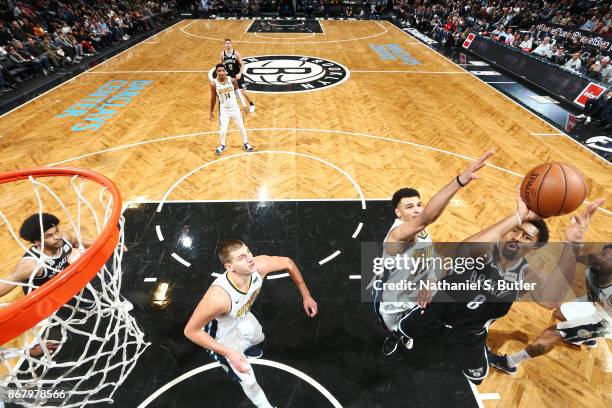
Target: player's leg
<point>251,334</point>
<point>389,315</point>
<point>469,349</point>
<point>543,344</point>
<point>247,381</point>
<point>237,117</point>
<point>224,119</point>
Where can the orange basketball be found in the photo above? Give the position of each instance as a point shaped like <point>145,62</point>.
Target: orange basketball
<point>553,189</point>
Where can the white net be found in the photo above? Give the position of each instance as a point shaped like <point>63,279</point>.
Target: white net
<point>84,351</point>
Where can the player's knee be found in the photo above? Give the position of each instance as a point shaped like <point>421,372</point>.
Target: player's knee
<point>249,382</point>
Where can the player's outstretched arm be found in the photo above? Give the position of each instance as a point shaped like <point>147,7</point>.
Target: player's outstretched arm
<point>267,264</point>
<point>216,302</point>
<point>22,273</point>
<point>552,289</point>
<point>435,207</point>
<point>213,100</point>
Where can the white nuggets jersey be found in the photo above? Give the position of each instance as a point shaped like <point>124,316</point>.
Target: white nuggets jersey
<point>597,294</point>
<point>422,249</point>
<point>226,94</point>
<point>224,329</point>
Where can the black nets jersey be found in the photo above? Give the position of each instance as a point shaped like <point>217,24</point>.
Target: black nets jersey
<point>51,266</point>
<point>486,300</point>
<point>231,63</point>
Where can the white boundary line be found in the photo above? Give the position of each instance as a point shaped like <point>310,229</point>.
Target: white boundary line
<point>296,43</point>
<point>500,82</point>
<point>159,233</point>
<point>329,258</point>
<point>216,132</point>
<point>354,277</point>
<point>333,401</point>
<point>281,93</point>
<point>512,100</point>
<point>181,260</point>
<point>412,72</point>
<point>150,279</point>
<point>358,230</point>
<point>189,174</point>
<point>82,73</point>
<point>341,171</point>
<point>312,34</point>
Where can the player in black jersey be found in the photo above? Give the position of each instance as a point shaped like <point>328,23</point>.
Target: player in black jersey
<point>582,321</point>
<point>44,259</point>
<point>461,316</point>
<point>235,68</point>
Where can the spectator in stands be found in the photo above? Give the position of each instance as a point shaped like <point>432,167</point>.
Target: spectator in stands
<point>596,68</point>
<point>33,66</point>
<point>606,71</point>
<point>574,64</point>
<point>35,49</point>
<point>544,49</point>
<point>526,44</point>
<point>509,40</point>
<point>590,24</point>
<point>558,54</point>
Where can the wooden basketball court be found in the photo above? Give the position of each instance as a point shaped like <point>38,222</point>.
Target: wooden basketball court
<point>391,124</point>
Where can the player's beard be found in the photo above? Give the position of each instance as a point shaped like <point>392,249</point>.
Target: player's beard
<point>510,250</point>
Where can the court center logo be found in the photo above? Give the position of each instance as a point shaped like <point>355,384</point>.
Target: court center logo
<point>291,73</point>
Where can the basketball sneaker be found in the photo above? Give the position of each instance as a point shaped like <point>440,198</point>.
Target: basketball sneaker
<point>390,345</point>
<point>219,149</point>
<point>247,147</point>
<point>391,342</point>
<point>252,107</point>
<point>591,343</point>
<point>253,352</point>
<point>500,362</point>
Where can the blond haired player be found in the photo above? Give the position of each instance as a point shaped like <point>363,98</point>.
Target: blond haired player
<point>222,321</point>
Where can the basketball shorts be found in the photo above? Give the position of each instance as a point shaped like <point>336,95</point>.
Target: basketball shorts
<point>241,84</point>
<point>585,321</point>
<point>248,332</point>
<point>466,346</point>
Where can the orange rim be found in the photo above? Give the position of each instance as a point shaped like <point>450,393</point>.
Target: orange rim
<point>39,304</point>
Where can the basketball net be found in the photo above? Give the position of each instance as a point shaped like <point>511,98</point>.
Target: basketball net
<point>81,353</point>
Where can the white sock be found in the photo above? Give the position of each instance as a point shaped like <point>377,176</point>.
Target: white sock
<point>223,137</point>
<point>517,358</point>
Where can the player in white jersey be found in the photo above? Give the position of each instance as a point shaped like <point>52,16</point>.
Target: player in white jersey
<point>222,88</point>
<point>231,331</point>
<point>582,321</point>
<point>408,237</point>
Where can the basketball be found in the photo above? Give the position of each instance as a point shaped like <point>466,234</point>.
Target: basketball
<point>553,189</point>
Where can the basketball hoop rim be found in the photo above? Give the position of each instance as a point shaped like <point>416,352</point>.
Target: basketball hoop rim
<point>39,304</point>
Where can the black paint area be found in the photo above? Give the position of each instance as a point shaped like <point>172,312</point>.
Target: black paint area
<point>340,348</point>
<point>285,26</point>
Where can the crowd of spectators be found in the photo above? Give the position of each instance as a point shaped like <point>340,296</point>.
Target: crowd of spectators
<point>38,37</point>
<point>531,26</point>
<point>313,8</point>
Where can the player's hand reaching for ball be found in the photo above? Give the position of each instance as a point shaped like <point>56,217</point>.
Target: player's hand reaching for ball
<point>239,361</point>
<point>579,223</point>
<point>522,210</point>
<point>470,173</point>
<point>310,306</point>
